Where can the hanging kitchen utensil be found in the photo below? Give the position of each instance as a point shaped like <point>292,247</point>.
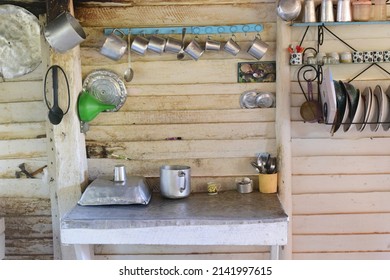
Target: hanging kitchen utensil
<point>311,109</point>
<point>89,106</point>
<point>107,87</point>
<point>180,55</point>
<point>55,112</point>
<point>64,33</point>
<point>129,73</point>
<point>20,42</point>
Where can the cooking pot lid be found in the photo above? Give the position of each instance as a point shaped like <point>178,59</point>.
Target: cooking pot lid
<point>20,43</point>
<point>107,87</point>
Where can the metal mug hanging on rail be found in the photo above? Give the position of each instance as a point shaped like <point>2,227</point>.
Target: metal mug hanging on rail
<point>114,45</point>
<point>258,48</point>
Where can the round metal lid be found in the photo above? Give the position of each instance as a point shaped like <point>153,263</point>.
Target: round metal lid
<point>248,99</point>
<point>107,87</point>
<point>20,43</point>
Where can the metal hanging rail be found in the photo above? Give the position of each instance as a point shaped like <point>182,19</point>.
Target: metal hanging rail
<point>196,30</point>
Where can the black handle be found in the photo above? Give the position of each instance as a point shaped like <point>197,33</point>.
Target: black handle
<point>55,86</point>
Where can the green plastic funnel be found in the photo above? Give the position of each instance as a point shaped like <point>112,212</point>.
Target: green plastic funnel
<point>89,106</point>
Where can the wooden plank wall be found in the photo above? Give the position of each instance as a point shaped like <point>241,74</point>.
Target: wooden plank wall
<point>195,100</point>
<point>341,184</point>
<point>24,202</point>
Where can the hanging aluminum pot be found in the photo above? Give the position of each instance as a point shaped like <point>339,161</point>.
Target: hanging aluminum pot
<point>64,33</point>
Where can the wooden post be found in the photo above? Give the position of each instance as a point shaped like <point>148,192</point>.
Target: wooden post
<point>67,164</point>
<point>283,125</point>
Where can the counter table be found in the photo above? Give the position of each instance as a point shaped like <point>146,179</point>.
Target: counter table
<point>228,218</point>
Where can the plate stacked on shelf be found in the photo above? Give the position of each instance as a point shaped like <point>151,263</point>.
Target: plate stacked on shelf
<point>352,98</point>
<point>386,117</point>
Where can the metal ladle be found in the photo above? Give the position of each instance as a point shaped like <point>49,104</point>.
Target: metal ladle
<point>129,73</point>
<point>257,168</point>
<point>180,55</point>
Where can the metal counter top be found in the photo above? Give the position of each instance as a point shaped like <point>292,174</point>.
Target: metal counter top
<point>228,218</point>
<point>224,208</point>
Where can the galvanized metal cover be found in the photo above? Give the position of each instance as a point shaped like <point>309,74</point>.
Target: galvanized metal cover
<point>20,43</point>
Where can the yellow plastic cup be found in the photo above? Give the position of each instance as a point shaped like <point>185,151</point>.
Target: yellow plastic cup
<point>268,183</point>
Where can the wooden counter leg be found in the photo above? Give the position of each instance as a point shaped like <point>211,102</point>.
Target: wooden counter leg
<point>84,251</point>
<point>274,252</point>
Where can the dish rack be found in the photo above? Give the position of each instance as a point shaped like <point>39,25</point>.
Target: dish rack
<point>310,73</point>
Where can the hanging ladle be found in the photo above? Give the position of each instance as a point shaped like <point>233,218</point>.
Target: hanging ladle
<point>55,112</point>
<point>180,55</point>
<point>129,73</point>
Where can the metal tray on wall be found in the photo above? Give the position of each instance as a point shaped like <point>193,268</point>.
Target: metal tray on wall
<point>107,87</point>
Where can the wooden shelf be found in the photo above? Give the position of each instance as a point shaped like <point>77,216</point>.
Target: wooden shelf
<point>335,23</point>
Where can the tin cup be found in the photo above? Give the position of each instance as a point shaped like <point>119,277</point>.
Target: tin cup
<point>194,50</point>
<point>156,44</point>
<point>232,47</point>
<point>258,48</point>
<point>139,45</point>
<point>115,45</point>
<point>212,45</point>
<point>119,173</point>
<point>173,45</point>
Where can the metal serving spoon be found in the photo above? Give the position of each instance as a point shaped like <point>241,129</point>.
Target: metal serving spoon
<point>180,55</point>
<point>129,73</point>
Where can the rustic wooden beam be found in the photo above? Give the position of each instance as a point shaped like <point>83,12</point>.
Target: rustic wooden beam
<point>37,7</point>
<point>56,7</point>
<point>67,166</point>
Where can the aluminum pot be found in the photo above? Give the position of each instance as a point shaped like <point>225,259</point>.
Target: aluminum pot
<point>175,181</point>
<point>64,33</point>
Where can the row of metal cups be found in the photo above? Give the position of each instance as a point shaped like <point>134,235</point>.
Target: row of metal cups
<point>115,46</point>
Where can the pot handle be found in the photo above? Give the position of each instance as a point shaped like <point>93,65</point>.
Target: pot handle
<point>182,177</point>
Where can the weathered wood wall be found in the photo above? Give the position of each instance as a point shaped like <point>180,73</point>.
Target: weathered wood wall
<point>340,184</point>
<point>195,100</point>
<point>24,202</point>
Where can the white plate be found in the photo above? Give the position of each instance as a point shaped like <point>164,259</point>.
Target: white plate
<point>374,113</point>
<point>358,118</point>
<point>386,111</point>
<point>382,106</point>
<point>367,100</point>
<point>328,97</point>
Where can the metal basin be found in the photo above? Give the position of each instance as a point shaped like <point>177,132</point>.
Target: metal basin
<point>106,191</point>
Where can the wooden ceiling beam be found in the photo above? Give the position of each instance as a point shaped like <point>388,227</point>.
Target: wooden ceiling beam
<point>36,7</point>
<point>56,7</point>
